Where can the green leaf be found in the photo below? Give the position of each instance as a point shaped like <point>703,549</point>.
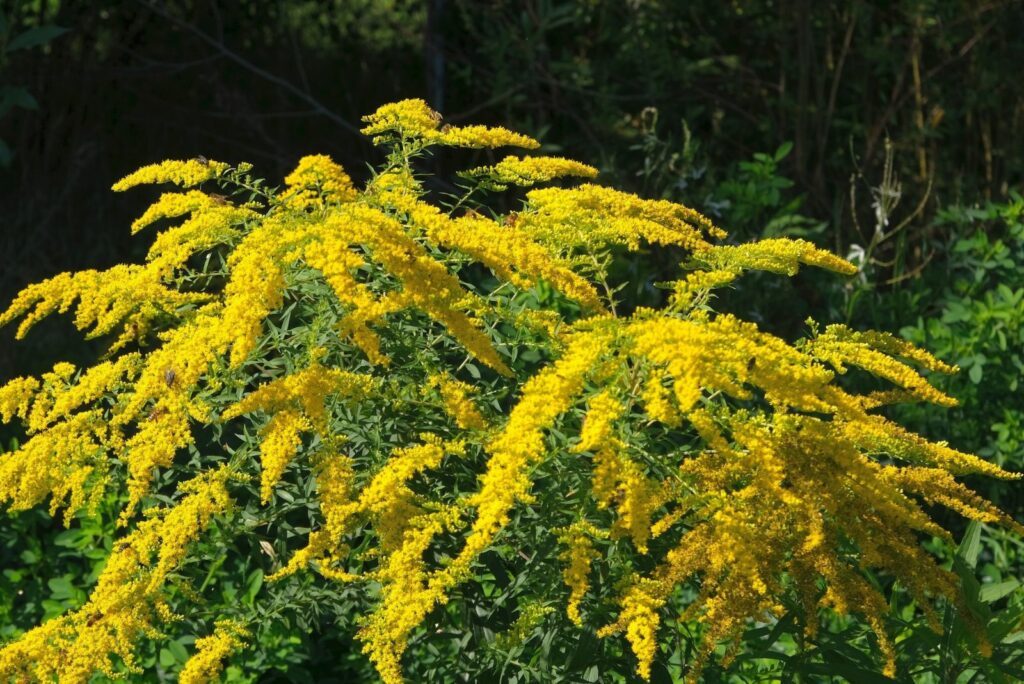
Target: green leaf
<point>993,592</point>
<point>35,36</point>
<point>975,374</point>
<point>178,650</point>
<point>784,150</point>
<point>970,545</point>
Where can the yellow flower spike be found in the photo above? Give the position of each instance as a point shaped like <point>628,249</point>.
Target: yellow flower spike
<point>207,663</point>
<point>307,389</point>
<point>512,254</point>
<point>335,477</point>
<point>56,462</point>
<point>187,174</point>
<point>159,437</point>
<point>777,255</point>
<point>594,217</point>
<point>456,396</point>
<point>603,409</point>
<point>528,171</point>
<point>427,284</point>
<point>16,398</point>
<point>317,180</point>
<point>482,136</point>
<point>412,118</point>
<point>280,440</point>
<point>126,603</point>
<point>172,205</point>
<point>578,555</point>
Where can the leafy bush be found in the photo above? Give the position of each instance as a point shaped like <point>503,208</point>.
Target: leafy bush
<point>440,413</point>
<point>972,314</point>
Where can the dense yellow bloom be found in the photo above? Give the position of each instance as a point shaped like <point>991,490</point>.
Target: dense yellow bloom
<point>457,401</point>
<point>528,171</point>
<point>413,119</point>
<point>696,285</point>
<point>105,298</point>
<point>621,483</point>
<point>409,117</point>
<point>57,462</point>
<point>840,346</point>
<point>279,442</point>
<point>603,410</point>
<point>206,665</point>
<point>172,205</point>
<point>335,478</point>
<point>594,217</point>
<point>187,174</point>
<point>158,439</point>
<point>508,251</point>
<point>578,555</point>
<point>482,136</point>
<point>127,601</point>
<point>307,389</point>
<point>426,284</point>
<point>16,398</point>
<point>779,255</point>
<point>315,181</point>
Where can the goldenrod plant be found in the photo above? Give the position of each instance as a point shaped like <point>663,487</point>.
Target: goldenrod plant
<point>426,386</point>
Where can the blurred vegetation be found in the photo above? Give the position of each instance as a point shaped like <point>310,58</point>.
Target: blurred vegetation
<point>891,132</point>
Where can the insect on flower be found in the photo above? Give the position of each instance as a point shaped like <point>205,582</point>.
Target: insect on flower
<point>202,160</point>
<point>169,376</point>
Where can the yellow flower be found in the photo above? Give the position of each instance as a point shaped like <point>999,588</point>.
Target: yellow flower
<point>315,181</point>
<point>413,119</point>
<point>456,397</point>
<point>527,171</point>
<point>280,440</point>
<point>578,555</point>
<point>187,174</point>
<point>206,665</point>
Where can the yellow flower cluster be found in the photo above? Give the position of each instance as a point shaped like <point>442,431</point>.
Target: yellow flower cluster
<point>426,283</point>
<point>593,217</point>
<point>57,462</point>
<point>106,299</point>
<point>530,616</point>
<point>307,389</point>
<point>456,396</point>
<point>579,555</point>
<point>317,180</point>
<point>512,254</point>
<point>414,120</point>
<point>335,477</point>
<point>528,171</point>
<point>187,174</point>
<point>206,665</point>
<point>127,602</point>
<point>298,404</point>
<point>779,255</point>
